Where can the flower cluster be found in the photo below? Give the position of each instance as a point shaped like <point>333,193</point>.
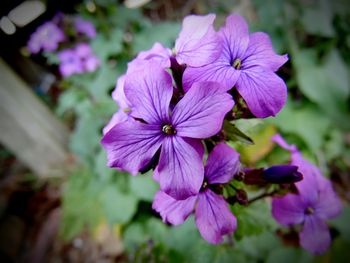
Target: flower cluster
<point>77,60</point>
<point>46,38</point>
<point>58,34</point>
<point>172,106</point>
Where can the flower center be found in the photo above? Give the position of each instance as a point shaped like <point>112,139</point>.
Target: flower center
<point>237,63</point>
<point>168,129</point>
<point>309,211</point>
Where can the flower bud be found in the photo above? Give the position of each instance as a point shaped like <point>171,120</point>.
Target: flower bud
<point>282,174</point>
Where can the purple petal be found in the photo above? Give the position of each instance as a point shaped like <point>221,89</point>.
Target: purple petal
<point>171,210</point>
<point>118,93</point>
<point>289,209</point>
<point>149,92</point>
<point>329,204</point>
<point>264,92</point>
<point>315,236</point>
<point>130,145</point>
<point>213,217</point>
<point>235,35</point>
<point>117,117</point>
<point>220,71</point>
<point>180,168</point>
<point>198,43</point>
<point>200,113</point>
<point>222,164</point>
<point>260,53</point>
<point>282,143</point>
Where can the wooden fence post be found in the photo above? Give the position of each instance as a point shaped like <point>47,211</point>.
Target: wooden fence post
<point>29,129</point>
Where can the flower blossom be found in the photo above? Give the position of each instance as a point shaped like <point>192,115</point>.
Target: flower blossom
<point>131,144</point>
<point>246,62</point>
<point>88,59</point>
<point>213,216</point>
<point>70,63</point>
<point>46,38</point>
<point>85,27</point>
<point>315,203</point>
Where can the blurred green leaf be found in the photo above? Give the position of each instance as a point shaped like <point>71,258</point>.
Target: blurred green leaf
<point>105,47</point>
<point>288,255</point>
<point>342,223</point>
<point>234,134</point>
<point>69,99</point>
<point>143,186</point>
<point>119,207</point>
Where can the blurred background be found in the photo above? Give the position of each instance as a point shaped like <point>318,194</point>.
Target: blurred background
<point>58,200</point>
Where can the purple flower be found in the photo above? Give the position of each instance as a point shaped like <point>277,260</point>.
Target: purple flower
<point>198,44</point>
<point>70,63</point>
<point>88,59</point>
<point>157,55</point>
<point>213,216</point>
<point>85,27</point>
<point>247,62</point>
<point>199,114</point>
<point>46,38</point>
<point>315,203</point>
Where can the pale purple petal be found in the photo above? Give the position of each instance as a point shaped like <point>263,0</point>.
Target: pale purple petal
<point>117,117</point>
<point>118,93</point>
<point>220,71</point>
<point>235,35</point>
<point>264,92</point>
<point>91,63</point>
<point>180,168</point>
<point>329,204</point>
<point>260,53</point>
<point>277,138</point>
<point>198,44</point>
<point>200,113</point>
<point>222,164</point>
<point>149,93</point>
<point>315,236</point>
<point>130,145</point>
<point>171,210</point>
<point>213,217</point>
<point>289,209</point>
<point>85,27</point>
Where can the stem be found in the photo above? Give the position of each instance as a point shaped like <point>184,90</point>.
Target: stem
<point>263,195</point>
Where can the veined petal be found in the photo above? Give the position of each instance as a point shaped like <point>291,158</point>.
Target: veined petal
<point>198,44</point>
<point>289,209</point>
<point>118,94</point>
<point>149,93</point>
<point>235,35</point>
<point>171,210</point>
<point>315,236</point>
<point>130,145</point>
<point>117,117</point>
<point>213,217</point>
<point>220,71</point>
<point>264,92</point>
<point>222,164</point>
<point>200,113</point>
<point>260,53</point>
<point>180,168</point>
<point>196,144</point>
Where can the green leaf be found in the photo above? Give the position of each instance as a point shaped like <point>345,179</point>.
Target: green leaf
<point>69,100</point>
<point>289,255</point>
<point>164,33</point>
<point>119,207</point>
<point>234,134</point>
<point>106,46</point>
<point>342,223</point>
<point>143,186</point>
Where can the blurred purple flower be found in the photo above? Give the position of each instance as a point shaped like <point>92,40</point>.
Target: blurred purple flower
<point>213,216</point>
<point>130,145</point>
<point>315,203</point>
<point>198,44</point>
<point>46,38</point>
<point>88,59</point>
<point>70,63</point>
<point>85,27</point>
<point>247,62</point>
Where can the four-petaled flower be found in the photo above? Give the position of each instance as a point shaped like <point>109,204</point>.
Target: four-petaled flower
<point>315,203</point>
<point>130,145</point>
<point>213,216</point>
<point>247,62</point>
